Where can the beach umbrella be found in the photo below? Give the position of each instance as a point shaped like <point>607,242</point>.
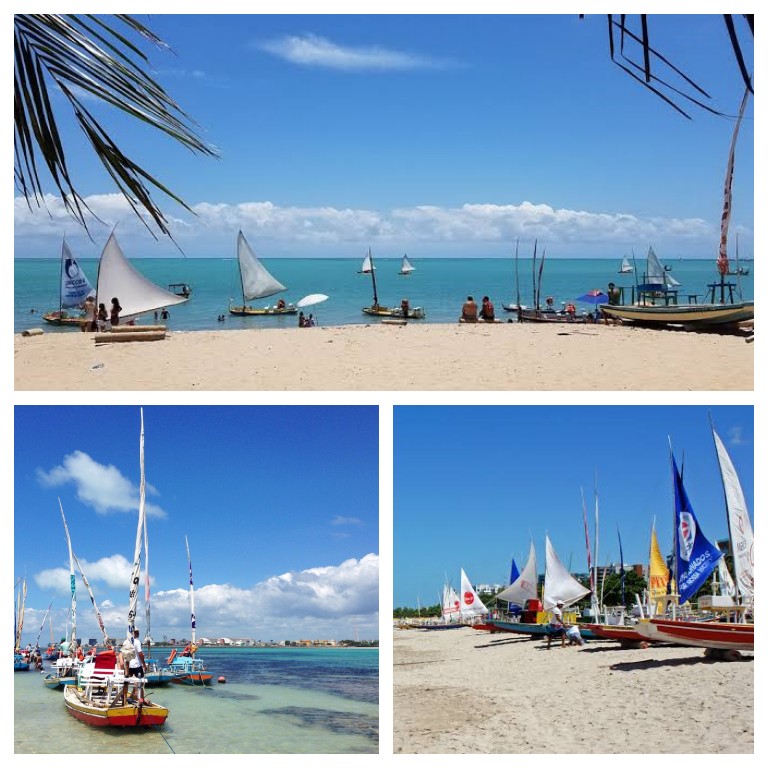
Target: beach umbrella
<point>311,300</point>
<point>594,297</point>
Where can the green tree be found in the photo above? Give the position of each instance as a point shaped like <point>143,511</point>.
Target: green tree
<point>84,57</point>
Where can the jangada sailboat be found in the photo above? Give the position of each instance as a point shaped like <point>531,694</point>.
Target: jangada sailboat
<point>119,279</point>
<point>376,309</point>
<point>626,266</point>
<point>406,267</point>
<point>100,696</point>
<point>257,283</point>
<point>185,668</point>
<point>657,303</point>
<point>74,289</point>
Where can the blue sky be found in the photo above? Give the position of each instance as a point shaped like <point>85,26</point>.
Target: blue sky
<point>280,505</point>
<point>472,485</point>
<point>438,135</point>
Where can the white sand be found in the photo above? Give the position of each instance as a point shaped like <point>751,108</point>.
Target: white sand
<point>464,691</point>
<point>504,356</point>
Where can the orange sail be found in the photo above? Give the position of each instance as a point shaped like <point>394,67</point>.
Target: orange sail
<point>658,575</point>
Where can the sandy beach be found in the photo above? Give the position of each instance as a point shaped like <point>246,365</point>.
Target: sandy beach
<point>505,356</point>
<point>464,691</point>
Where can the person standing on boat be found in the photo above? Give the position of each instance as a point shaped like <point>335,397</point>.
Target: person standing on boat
<point>405,307</point>
<point>614,295</point>
<point>136,665</point>
<point>114,312</point>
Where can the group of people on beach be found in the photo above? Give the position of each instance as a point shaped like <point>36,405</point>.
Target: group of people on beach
<point>96,319</point>
<point>306,322</point>
<point>558,627</point>
<point>471,314</point>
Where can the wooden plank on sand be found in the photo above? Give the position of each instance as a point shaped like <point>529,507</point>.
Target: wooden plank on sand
<point>136,328</point>
<point>107,338</point>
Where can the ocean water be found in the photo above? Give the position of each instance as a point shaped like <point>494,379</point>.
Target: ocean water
<point>275,701</point>
<point>438,285</point>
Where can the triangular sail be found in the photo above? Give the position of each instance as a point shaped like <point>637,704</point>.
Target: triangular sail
<point>451,604</point>
<point>20,616</point>
<point>655,274</point>
<point>471,604</point>
<point>558,583</point>
<point>524,587</point>
<point>406,267</point>
<point>133,595</point>
<point>75,287</point>
<point>369,268</point>
<point>72,586</point>
<point>626,266</point>
<point>119,279</point>
<point>257,282</point>
<point>696,556</point>
<point>725,582</point>
<point>514,572</point>
<point>658,575</point>
<point>739,526</point>
<point>723,266</point>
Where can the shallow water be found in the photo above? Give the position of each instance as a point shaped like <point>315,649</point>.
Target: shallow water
<point>311,701</point>
<point>438,285</point>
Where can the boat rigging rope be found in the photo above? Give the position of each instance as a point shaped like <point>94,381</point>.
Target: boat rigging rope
<point>164,739</point>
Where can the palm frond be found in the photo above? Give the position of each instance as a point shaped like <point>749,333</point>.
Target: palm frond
<point>82,57</point>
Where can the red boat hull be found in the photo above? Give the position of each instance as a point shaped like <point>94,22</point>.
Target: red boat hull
<point>613,632</point>
<point>709,634</point>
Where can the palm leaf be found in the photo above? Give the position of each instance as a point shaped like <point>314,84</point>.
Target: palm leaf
<point>82,57</point>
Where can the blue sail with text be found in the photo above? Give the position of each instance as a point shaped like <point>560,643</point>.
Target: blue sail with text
<point>696,556</point>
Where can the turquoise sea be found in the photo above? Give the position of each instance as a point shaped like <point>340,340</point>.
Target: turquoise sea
<point>275,700</point>
<point>438,285</point>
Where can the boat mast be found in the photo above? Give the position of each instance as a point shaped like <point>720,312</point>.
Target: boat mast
<point>73,610</point>
<point>517,272</point>
<point>133,596</point>
<point>191,595</point>
<point>373,279</point>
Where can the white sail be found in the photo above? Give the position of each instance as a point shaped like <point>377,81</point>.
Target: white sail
<point>451,605</point>
<point>20,615</point>
<point>133,594</point>
<point>118,279</point>
<point>524,587</point>
<point>471,604</point>
<point>655,273</point>
<point>257,282</point>
<point>75,287</point>
<point>367,265</point>
<point>558,583</point>
<point>626,266</point>
<point>406,267</point>
<point>739,526</point>
<point>93,601</point>
<point>72,587</point>
<point>726,586</point>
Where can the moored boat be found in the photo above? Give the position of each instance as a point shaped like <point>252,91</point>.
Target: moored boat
<point>257,283</point>
<point>404,311</point>
<point>74,289</point>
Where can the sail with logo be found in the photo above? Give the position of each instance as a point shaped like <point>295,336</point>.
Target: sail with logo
<point>696,556</point>
<point>471,605</point>
<point>74,289</point>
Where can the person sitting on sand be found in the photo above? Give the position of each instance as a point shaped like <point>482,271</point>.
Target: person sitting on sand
<point>302,321</point>
<point>486,310</point>
<point>469,311</point>
<point>310,322</point>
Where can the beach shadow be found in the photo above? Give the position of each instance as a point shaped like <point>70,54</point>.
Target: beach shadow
<point>632,666</point>
<point>504,641</point>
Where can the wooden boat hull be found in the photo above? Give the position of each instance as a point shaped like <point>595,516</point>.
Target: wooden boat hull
<point>534,630</point>
<point>120,716</point>
<point>613,632</point>
<point>263,311</point>
<point>544,316</point>
<point>707,634</point>
<point>53,681</point>
<point>417,313</point>
<point>59,318</point>
<point>694,315</point>
<point>193,678</point>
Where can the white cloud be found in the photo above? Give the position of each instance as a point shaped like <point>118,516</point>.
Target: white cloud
<point>114,572</point>
<point>735,436</point>
<point>314,51</point>
<point>99,486</point>
<point>313,228</point>
<point>341,520</point>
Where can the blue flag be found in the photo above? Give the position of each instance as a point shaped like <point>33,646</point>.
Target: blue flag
<point>621,568</point>
<point>696,556</point>
<point>514,574</point>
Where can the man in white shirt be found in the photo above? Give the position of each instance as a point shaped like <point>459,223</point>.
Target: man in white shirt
<point>136,665</point>
<point>556,627</point>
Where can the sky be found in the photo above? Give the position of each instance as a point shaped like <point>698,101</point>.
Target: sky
<point>495,477</point>
<point>279,504</point>
<point>435,135</point>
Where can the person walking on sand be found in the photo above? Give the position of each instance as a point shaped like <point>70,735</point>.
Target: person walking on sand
<point>114,312</point>
<point>556,627</point>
